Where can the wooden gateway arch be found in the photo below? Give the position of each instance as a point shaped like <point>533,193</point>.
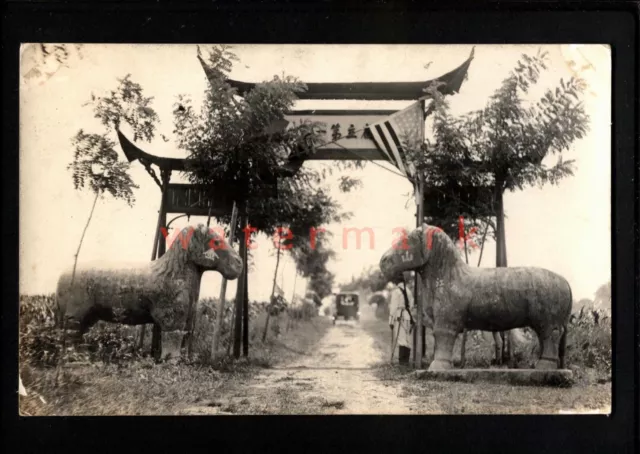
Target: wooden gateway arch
<point>343,142</point>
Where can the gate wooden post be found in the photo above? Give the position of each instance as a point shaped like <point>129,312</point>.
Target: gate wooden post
<point>156,335</point>
<point>419,287</point>
<point>240,292</point>
<point>419,340</point>
<point>245,313</point>
<point>223,289</point>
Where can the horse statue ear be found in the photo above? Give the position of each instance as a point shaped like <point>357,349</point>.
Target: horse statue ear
<point>203,229</point>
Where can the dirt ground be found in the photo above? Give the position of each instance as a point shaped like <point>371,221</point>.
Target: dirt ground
<point>348,372</point>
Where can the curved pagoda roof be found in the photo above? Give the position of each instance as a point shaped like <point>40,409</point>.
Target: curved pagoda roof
<point>392,91</point>
<point>451,83</point>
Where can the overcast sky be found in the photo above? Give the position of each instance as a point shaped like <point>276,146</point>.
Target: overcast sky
<point>564,228</point>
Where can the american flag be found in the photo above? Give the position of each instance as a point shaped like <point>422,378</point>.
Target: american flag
<point>388,134</point>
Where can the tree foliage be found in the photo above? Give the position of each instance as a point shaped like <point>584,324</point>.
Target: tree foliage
<point>505,143</point>
<point>232,143</point>
<point>95,162</point>
<point>322,283</point>
<point>228,143</point>
<point>126,104</point>
<point>96,166</point>
<point>233,146</point>
<point>311,261</point>
<point>501,146</point>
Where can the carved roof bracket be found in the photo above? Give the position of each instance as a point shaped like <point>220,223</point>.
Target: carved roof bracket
<point>147,166</point>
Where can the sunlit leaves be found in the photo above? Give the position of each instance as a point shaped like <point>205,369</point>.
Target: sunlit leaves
<point>501,146</point>
<point>347,183</point>
<point>506,141</point>
<point>126,104</point>
<point>96,166</point>
<point>232,145</point>
<point>95,163</point>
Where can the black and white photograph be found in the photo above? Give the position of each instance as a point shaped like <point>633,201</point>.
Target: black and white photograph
<point>262,229</point>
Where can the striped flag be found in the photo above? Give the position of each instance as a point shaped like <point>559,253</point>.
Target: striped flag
<point>388,134</point>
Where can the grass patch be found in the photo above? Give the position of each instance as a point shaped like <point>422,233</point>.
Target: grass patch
<point>476,398</point>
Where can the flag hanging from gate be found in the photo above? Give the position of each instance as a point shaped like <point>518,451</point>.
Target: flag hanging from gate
<point>388,134</point>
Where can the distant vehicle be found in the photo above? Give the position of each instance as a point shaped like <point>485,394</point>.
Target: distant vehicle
<point>347,306</point>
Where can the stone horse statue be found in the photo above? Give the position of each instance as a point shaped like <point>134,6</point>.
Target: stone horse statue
<point>158,292</point>
<point>459,297</point>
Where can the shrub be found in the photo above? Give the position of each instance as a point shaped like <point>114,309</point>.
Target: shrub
<point>40,338</point>
<point>304,311</point>
<point>111,343</point>
<point>205,324</point>
<point>589,341</point>
<point>41,335</point>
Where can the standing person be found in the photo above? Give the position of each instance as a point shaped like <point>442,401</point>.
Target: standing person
<point>400,321</point>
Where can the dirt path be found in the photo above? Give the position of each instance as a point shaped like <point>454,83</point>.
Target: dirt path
<point>347,371</point>
<point>336,377</point>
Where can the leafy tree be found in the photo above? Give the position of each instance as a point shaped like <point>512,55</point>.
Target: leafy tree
<point>311,261</point>
<point>127,104</point>
<point>96,166</point>
<point>322,283</point>
<point>239,145</point>
<point>229,142</point>
<point>95,162</point>
<point>502,146</point>
<point>233,145</point>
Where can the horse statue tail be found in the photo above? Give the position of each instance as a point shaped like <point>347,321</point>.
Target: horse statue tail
<point>563,345</point>
<point>562,348</point>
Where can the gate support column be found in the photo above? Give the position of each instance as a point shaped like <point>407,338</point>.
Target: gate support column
<point>240,292</point>
<point>419,287</point>
<point>156,337</point>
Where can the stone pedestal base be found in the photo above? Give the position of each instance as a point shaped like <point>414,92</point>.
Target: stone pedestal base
<point>521,377</point>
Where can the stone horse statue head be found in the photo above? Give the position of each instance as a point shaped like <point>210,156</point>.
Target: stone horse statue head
<point>203,248</point>
<point>417,251</point>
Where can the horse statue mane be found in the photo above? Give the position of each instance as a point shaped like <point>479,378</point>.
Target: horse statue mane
<point>443,255</point>
<point>176,259</point>
<point>442,260</point>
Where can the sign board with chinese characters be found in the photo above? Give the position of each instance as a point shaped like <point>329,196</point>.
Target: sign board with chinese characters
<point>342,132</point>
<point>193,200</point>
